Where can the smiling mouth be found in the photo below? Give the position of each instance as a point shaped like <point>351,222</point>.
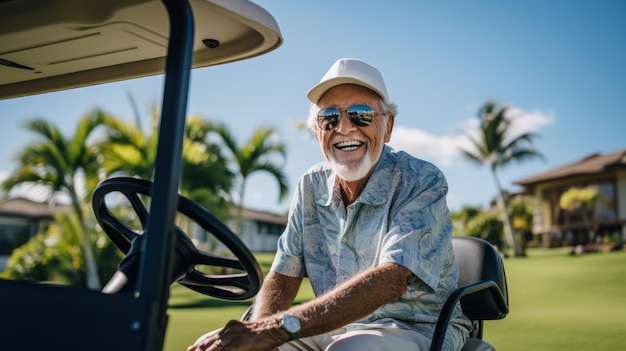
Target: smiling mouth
<point>348,145</point>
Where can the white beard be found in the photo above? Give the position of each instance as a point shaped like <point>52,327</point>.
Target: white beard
<point>352,174</point>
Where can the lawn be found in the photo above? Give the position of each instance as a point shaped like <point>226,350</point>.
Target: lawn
<point>558,302</point>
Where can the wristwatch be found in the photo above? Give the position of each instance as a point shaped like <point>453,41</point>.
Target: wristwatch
<point>291,324</point>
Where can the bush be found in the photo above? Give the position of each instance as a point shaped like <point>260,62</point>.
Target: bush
<point>30,261</point>
<point>57,255</point>
<point>486,226</point>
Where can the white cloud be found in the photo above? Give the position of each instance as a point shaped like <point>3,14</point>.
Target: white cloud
<point>529,122</point>
<point>440,150</point>
<point>444,149</point>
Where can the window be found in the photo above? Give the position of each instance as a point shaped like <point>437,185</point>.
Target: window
<point>13,234</point>
<point>270,228</point>
<point>605,207</point>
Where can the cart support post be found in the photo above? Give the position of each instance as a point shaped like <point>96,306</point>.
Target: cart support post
<point>155,268</point>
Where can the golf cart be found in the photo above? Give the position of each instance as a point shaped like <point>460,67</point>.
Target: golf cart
<point>48,45</point>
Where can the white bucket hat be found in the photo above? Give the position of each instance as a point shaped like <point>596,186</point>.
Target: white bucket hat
<point>350,71</point>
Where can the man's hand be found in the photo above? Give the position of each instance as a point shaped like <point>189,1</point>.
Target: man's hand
<point>261,335</point>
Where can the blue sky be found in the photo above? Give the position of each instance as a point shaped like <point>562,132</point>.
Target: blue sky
<point>560,64</point>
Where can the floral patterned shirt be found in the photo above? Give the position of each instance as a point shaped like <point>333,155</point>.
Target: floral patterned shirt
<point>401,216</point>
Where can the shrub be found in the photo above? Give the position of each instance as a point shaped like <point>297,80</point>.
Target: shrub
<point>57,255</point>
<point>486,226</point>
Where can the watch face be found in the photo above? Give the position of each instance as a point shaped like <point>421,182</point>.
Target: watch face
<point>291,324</point>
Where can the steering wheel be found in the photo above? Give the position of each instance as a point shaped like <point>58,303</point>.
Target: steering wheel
<point>237,286</point>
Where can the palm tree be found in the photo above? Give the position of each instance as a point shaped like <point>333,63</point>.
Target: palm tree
<point>254,155</point>
<point>127,149</point>
<point>495,147</point>
<point>59,163</point>
<point>205,179</point>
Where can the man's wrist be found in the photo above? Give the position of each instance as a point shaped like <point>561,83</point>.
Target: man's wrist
<point>291,324</point>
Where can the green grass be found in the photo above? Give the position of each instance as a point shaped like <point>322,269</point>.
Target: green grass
<point>562,302</point>
<point>558,302</point>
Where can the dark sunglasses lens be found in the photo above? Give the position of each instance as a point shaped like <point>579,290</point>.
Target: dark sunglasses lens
<point>361,115</point>
<point>328,118</point>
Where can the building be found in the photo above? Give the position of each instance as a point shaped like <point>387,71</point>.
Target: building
<point>260,230</point>
<point>607,218</point>
<point>20,220</point>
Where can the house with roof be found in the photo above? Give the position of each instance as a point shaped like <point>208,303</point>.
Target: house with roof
<point>606,174</point>
<point>260,229</point>
<point>20,220</point>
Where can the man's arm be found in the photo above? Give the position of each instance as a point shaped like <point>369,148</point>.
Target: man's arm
<point>277,294</point>
<point>349,302</point>
<point>355,299</point>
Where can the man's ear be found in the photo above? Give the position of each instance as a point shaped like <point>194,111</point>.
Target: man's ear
<point>390,119</point>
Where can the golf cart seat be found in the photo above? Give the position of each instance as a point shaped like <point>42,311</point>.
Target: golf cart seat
<point>482,291</point>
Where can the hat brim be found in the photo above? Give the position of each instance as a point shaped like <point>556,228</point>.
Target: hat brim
<point>316,93</point>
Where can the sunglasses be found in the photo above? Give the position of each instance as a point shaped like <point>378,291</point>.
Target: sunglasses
<point>359,115</point>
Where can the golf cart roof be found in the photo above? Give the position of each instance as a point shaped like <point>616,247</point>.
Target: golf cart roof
<point>49,45</point>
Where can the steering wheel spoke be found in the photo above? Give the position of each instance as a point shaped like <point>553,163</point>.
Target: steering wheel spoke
<point>110,224</point>
<point>227,280</point>
<point>218,261</point>
<point>138,206</point>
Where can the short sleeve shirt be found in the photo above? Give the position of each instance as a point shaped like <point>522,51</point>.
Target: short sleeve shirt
<point>400,217</point>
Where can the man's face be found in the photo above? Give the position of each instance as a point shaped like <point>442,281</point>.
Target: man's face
<point>353,151</point>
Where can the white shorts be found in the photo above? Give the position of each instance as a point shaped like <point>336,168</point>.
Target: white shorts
<point>378,339</point>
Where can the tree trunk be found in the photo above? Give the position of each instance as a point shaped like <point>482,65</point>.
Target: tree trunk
<point>93,280</point>
<point>239,215</point>
<point>588,224</point>
<point>508,228</point>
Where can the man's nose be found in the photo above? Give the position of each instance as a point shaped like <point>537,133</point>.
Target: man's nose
<point>345,124</point>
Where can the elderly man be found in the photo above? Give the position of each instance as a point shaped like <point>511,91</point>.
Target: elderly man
<point>369,227</point>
